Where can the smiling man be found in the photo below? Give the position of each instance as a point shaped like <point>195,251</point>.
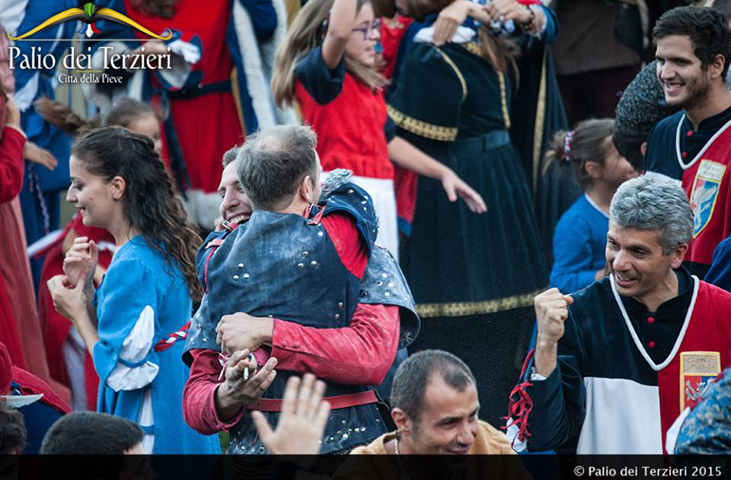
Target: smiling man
<point>616,363</point>
<point>434,406</point>
<point>694,145</point>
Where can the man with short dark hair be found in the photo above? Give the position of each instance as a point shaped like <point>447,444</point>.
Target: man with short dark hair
<point>92,433</point>
<point>434,405</point>
<point>694,145</point>
<point>616,363</point>
<point>12,430</point>
<point>309,265</point>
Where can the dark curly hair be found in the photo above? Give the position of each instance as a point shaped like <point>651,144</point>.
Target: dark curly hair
<point>707,29</point>
<point>12,429</point>
<point>149,199</point>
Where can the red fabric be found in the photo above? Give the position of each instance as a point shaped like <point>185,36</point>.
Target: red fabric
<point>208,125</point>
<point>710,173</point>
<point>350,129</point>
<point>708,331</point>
<point>11,164</point>
<point>392,32</point>
<point>348,242</point>
<point>360,354</point>
<point>32,385</point>
<point>363,351</point>
<point>8,331</point>
<point>56,326</point>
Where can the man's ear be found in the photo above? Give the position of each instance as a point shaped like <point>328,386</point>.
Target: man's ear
<point>679,255</point>
<point>307,189</point>
<point>401,420</point>
<point>119,186</point>
<point>715,69</point>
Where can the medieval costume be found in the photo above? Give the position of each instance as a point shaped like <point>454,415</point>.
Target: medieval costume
<point>720,272</point>
<point>473,276</point>
<point>39,197</point>
<point>139,304</point>
<point>200,95</point>
<point>624,374</point>
<point>700,160</point>
<point>330,287</point>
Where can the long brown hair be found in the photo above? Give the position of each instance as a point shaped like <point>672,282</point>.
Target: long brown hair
<point>304,35</point>
<point>150,203</point>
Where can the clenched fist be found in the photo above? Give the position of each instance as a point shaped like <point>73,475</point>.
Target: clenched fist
<point>552,310</point>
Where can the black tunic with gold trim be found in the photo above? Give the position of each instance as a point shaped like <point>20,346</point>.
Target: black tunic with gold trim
<point>473,276</point>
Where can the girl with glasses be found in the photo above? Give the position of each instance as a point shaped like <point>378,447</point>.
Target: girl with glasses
<point>326,65</point>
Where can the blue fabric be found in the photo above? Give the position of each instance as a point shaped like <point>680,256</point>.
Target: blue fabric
<point>322,83</point>
<point>137,277</point>
<point>707,429</point>
<point>38,418</point>
<point>579,242</point>
<point>720,271</point>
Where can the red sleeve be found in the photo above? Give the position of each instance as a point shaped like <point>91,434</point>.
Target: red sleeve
<point>349,243</point>
<point>360,354</point>
<point>199,403</point>
<point>11,164</point>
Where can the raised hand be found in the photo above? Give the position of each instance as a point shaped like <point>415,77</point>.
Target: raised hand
<point>34,153</point>
<point>83,256</point>
<point>503,10</point>
<point>302,421</point>
<point>552,310</point>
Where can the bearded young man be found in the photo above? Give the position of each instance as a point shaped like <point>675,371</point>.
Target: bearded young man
<point>616,363</point>
<point>694,145</point>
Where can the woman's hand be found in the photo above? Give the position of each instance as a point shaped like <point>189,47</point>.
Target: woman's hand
<point>504,10</point>
<point>69,301</point>
<point>456,187</point>
<point>83,257</point>
<point>454,15</point>
<point>41,156</point>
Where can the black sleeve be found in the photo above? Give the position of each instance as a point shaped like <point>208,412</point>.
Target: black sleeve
<point>322,83</point>
<point>559,401</point>
<point>389,129</point>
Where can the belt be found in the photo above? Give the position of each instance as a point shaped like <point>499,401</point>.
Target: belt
<point>486,142</point>
<point>336,402</point>
<point>192,92</point>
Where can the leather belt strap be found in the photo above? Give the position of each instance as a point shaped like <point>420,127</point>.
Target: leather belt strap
<point>336,402</point>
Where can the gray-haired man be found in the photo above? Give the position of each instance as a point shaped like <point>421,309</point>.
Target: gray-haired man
<point>616,363</point>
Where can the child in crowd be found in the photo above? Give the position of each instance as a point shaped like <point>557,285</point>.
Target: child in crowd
<point>581,234</point>
<point>131,321</point>
<point>326,64</point>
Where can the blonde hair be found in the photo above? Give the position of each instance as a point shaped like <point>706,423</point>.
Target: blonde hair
<point>304,35</point>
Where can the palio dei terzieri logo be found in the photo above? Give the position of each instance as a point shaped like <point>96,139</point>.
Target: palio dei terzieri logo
<point>90,15</point>
<point>81,62</point>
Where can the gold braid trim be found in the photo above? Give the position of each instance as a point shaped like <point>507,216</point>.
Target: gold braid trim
<point>540,123</point>
<point>423,129</point>
<point>451,63</point>
<point>504,99</point>
<point>463,309</point>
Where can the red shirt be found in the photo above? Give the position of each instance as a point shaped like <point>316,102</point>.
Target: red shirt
<point>11,163</point>
<point>364,351</point>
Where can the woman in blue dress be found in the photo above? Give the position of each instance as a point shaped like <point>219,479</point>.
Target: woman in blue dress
<point>130,322</point>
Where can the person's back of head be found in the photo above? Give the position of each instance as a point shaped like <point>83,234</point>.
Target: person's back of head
<point>92,433</point>
<point>12,430</point>
<point>274,163</point>
<point>654,202</point>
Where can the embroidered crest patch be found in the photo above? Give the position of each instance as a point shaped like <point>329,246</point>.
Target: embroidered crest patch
<point>706,186</point>
<point>697,371</point>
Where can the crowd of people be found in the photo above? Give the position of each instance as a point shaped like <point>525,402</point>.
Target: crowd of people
<point>371,227</point>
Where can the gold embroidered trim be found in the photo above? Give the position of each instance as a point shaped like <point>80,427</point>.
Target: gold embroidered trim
<point>423,129</point>
<point>504,99</point>
<point>451,63</point>
<point>472,47</point>
<point>463,309</point>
